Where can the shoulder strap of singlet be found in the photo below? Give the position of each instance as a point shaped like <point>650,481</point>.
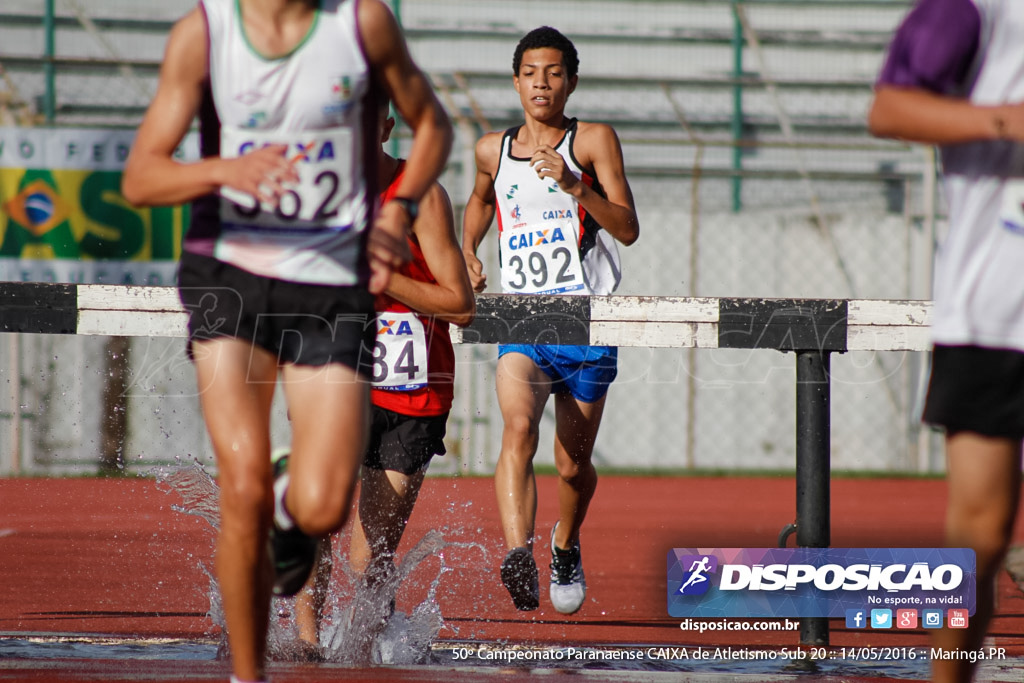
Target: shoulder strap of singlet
<point>506,146</point>
<point>507,138</point>
<point>570,139</point>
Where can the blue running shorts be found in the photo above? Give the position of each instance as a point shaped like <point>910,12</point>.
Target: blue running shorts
<point>585,372</point>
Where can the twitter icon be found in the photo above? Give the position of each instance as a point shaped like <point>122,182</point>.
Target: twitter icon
<point>881,618</point>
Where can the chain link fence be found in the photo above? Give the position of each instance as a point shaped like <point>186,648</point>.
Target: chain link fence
<point>742,125</point>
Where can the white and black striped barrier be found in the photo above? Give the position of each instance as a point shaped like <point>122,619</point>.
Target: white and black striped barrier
<point>825,325</point>
<point>811,328</point>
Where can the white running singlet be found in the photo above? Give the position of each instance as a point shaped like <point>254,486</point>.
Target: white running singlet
<point>548,243</point>
<point>314,100</point>
<point>979,295</point>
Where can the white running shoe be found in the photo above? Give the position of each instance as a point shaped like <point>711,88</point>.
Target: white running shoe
<point>568,585</point>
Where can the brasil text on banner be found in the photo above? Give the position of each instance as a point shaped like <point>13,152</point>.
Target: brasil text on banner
<point>62,216</point>
<point>816,582</point>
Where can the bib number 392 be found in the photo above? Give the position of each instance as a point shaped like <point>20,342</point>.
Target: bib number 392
<point>540,261</point>
<point>400,352</point>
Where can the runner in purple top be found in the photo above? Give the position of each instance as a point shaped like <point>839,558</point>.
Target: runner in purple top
<point>954,77</point>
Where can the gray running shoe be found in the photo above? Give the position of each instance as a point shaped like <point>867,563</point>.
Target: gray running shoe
<point>568,585</point>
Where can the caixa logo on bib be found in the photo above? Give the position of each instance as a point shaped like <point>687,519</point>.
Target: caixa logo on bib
<point>312,151</point>
<point>816,582</point>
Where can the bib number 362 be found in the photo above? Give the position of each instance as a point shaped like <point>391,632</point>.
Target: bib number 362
<point>323,164</point>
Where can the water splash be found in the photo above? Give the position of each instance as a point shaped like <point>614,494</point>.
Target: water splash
<point>365,628</point>
<point>196,488</point>
<point>360,624</point>
<point>199,494</point>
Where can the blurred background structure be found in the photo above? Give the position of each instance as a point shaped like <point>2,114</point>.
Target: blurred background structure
<point>743,128</point>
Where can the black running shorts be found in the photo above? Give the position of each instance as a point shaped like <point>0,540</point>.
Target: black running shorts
<point>974,389</point>
<point>300,323</point>
<point>404,443</point>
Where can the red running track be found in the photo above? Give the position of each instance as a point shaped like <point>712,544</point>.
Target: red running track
<point>110,556</point>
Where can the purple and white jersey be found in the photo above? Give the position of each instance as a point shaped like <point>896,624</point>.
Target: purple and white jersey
<point>317,101</point>
<point>973,49</point>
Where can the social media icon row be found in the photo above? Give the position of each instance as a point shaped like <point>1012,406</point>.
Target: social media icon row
<point>905,618</point>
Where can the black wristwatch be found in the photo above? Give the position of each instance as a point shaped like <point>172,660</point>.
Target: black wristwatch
<point>411,206</point>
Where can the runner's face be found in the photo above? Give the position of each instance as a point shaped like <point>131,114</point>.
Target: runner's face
<point>542,83</point>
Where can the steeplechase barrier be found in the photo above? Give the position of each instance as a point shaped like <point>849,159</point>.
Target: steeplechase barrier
<point>813,329</point>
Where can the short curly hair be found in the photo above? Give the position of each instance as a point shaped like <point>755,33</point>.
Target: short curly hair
<point>545,36</point>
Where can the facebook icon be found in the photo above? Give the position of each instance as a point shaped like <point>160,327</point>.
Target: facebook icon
<point>856,618</point>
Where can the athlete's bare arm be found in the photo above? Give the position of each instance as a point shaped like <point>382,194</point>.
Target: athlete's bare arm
<point>414,99</point>
<point>922,116</point>
<point>152,176</point>
<point>480,207</point>
<point>451,298</point>
<point>597,147</point>
<point>412,95</point>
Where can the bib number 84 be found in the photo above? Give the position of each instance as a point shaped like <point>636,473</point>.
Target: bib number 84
<point>404,364</point>
<point>400,353</point>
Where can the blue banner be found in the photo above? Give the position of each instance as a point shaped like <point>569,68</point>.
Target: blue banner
<point>818,582</point>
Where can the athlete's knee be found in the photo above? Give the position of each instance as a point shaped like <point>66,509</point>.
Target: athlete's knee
<point>319,507</point>
<point>987,531</point>
<point>576,471</point>
<point>521,430</point>
<point>246,498</point>
<point>319,519</point>
<point>990,546</point>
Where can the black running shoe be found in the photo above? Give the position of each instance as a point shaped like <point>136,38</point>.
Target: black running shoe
<point>519,574</point>
<point>292,552</point>
<point>294,555</point>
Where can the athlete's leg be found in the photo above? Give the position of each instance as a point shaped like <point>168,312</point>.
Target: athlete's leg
<point>576,425</point>
<point>329,408</point>
<point>329,411</point>
<point>310,602</point>
<point>523,389</point>
<point>386,501</point>
<point>236,385</point>
<point>984,488</point>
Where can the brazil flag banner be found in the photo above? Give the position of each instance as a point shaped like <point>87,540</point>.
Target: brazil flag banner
<point>62,216</point>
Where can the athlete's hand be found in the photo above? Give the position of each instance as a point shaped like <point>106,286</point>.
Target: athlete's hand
<point>548,163</point>
<point>1011,121</point>
<point>476,272</point>
<point>387,246</point>
<point>262,173</point>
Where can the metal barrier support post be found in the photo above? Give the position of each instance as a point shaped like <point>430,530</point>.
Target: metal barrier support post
<point>813,468</point>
